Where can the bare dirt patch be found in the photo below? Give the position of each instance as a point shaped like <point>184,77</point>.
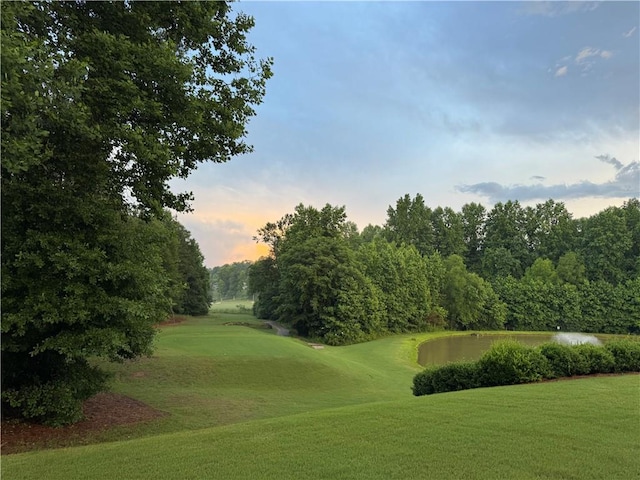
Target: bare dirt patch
<point>102,412</point>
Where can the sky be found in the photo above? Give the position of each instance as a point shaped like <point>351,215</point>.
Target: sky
<point>459,101</point>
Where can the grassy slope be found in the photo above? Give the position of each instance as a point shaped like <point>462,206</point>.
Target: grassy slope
<point>211,375</point>
<point>580,429</point>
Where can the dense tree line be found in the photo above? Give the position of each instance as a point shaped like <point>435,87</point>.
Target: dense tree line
<point>230,281</point>
<point>533,268</point>
<point>190,286</point>
<point>103,103</point>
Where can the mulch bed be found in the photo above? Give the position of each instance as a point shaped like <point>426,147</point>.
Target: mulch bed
<point>103,411</point>
<point>173,320</point>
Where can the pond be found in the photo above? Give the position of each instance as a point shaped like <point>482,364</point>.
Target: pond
<point>469,347</point>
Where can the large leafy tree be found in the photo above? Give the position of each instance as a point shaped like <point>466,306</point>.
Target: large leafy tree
<point>606,245</point>
<point>473,225</point>
<point>102,104</point>
<point>470,301</point>
<point>448,229</point>
<point>410,223</point>
<point>554,231</point>
<point>505,229</point>
<point>402,277</point>
<point>230,281</point>
<point>196,295</point>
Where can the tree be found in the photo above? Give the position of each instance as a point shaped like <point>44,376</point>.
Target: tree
<point>196,297</point>
<point>631,210</point>
<point>470,301</point>
<point>231,281</point>
<point>410,223</point>
<point>264,284</point>
<point>505,228</point>
<point>542,270</point>
<point>499,262</point>
<point>473,223</point>
<point>102,104</point>
<point>324,294</point>
<point>370,232</point>
<point>448,230</point>
<point>189,287</point>
<point>401,276</point>
<point>606,243</point>
<point>554,230</point>
<point>571,269</point>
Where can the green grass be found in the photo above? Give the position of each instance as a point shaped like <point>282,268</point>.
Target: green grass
<point>231,306</point>
<point>580,429</point>
<point>246,403</point>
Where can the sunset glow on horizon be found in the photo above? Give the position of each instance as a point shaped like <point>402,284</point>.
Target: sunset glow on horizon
<point>458,101</point>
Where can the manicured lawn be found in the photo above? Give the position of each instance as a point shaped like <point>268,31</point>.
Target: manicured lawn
<point>246,403</point>
<point>578,429</point>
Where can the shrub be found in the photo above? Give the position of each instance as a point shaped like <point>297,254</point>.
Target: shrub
<point>564,361</point>
<point>446,378</point>
<point>58,400</point>
<point>596,359</point>
<point>626,354</point>
<point>423,382</point>
<point>510,362</point>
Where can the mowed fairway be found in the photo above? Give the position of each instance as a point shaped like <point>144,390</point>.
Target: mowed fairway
<point>245,403</point>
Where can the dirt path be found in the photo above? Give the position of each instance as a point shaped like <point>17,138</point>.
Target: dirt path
<point>280,330</point>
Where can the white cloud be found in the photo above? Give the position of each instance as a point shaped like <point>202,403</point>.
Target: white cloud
<point>585,53</point>
<point>629,33</point>
<point>555,9</point>
<point>588,52</point>
<point>562,71</point>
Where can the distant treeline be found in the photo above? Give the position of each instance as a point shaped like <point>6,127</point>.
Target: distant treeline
<point>230,281</point>
<point>533,268</point>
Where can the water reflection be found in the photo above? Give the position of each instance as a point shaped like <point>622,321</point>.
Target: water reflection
<point>468,347</point>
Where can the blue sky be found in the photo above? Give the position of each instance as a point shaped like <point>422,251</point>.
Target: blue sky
<point>459,101</point>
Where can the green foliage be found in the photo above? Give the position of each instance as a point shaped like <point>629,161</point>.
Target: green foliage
<point>470,301</point>
<point>49,388</point>
<point>505,232</point>
<point>190,287</point>
<point>626,354</point>
<point>536,305</point>
<point>571,269</point>
<point>264,282</point>
<point>447,378</point>
<point>542,270</point>
<point>503,274</point>
<point>552,231</point>
<point>448,231</point>
<point>473,223</point>
<point>102,104</point>
<point>230,281</point>
<point>606,244</point>
<point>509,363</point>
<point>564,360</point>
<point>595,358</point>
<point>324,294</point>
<point>401,277</point>
<point>410,223</point>
<point>631,209</point>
